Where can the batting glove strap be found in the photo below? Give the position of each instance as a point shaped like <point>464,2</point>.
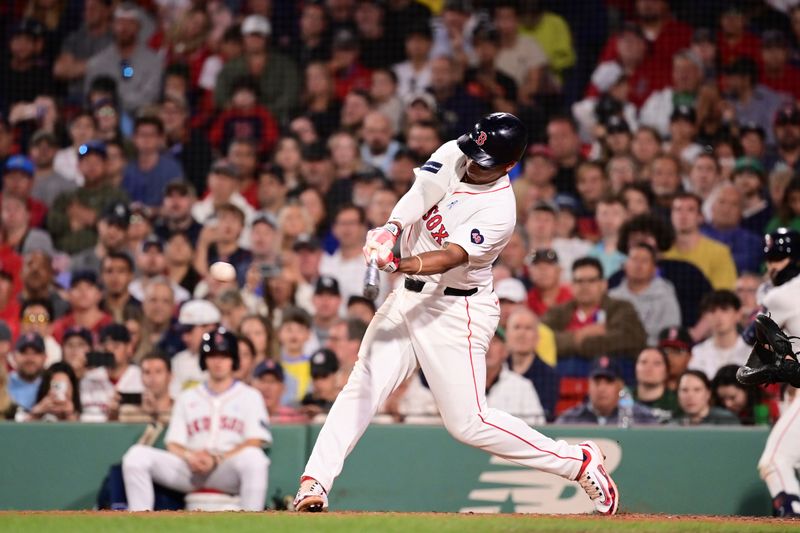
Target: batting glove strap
<point>392,265</point>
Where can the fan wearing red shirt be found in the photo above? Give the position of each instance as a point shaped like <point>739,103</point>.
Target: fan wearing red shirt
<point>348,72</point>
<point>547,290</point>
<point>18,174</point>
<point>734,40</point>
<point>776,72</point>
<point>84,298</point>
<point>245,118</point>
<point>664,35</point>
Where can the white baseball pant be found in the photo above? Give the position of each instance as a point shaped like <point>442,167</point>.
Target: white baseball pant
<point>782,453</point>
<point>448,337</point>
<point>244,474</point>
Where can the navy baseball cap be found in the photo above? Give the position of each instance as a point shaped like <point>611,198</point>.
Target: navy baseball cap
<point>265,218</point>
<point>28,26</point>
<point>305,241</point>
<point>88,276</point>
<point>327,285</point>
<point>683,112</point>
<point>92,147</point>
<point>30,340</point>
<point>19,162</point>
<point>151,241</point>
<point>77,331</point>
<point>115,332</point>
<point>604,367</point>
<point>269,367</point>
<point>117,214</point>
<point>323,363</point>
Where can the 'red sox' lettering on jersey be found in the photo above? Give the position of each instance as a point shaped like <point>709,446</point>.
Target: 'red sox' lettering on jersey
<point>227,423</point>
<point>433,223</point>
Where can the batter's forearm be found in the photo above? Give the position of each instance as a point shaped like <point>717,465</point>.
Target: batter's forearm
<point>435,262</point>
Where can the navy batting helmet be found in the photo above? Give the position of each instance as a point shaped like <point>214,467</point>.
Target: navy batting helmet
<point>221,342</point>
<point>496,139</point>
<point>782,243</point>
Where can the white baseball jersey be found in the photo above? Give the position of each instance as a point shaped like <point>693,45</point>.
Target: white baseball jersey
<point>479,218</point>
<point>443,334</point>
<point>97,391</point>
<point>781,303</point>
<point>781,453</point>
<point>202,420</point>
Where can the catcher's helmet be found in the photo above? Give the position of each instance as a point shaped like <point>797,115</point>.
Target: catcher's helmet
<point>496,139</point>
<point>782,243</point>
<point>219,341</point>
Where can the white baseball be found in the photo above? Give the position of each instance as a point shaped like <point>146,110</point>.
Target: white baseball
<point>222,272</point>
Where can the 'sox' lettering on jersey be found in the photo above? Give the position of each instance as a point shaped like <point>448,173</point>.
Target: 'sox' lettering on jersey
<point>197,425</point>
<point>431,166</point>
<point>232,424</point>
<point>433,222</point>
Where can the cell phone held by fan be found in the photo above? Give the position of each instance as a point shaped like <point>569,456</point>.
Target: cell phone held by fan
<point>130,398</point>
<point>95,359</point>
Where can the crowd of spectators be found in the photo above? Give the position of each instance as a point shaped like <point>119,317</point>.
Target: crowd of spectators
<point>173,165</point>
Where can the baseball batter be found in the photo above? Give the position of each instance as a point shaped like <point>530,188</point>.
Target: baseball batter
<point>215,437</point>
<point>782,454</point>
<point>455,220</point>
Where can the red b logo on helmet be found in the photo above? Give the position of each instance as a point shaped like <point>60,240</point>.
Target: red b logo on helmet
<point>481,138</point>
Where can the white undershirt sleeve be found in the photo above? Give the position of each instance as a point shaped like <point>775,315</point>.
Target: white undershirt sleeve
<point>424,194</point>
<point>430,184</point>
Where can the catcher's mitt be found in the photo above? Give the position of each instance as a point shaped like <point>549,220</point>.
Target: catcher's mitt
<point>772,359</point>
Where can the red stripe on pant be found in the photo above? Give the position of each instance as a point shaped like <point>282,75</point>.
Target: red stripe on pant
<point>478,403</point>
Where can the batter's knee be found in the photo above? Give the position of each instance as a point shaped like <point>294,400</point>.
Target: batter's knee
<point>464,429</point>
<point>136,457</point>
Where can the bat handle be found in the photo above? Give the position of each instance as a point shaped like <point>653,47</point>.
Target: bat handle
<point>372,280</point>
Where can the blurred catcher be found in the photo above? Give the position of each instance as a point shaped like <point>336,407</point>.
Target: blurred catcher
<point>773,360</point>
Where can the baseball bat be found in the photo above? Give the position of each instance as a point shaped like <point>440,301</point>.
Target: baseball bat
<point>371,280</point>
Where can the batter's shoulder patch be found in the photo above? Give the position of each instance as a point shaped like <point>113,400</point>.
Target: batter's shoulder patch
<point>476,236</point>
<point>431,166</point>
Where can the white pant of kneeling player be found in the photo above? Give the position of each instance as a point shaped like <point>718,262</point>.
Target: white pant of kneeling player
<point>244,474</point>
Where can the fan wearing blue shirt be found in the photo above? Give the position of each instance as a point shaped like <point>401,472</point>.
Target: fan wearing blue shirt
<point>147,175</point>
<point>23,383</point>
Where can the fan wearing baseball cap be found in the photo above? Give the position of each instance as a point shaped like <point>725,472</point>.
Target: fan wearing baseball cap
<point>677,344</point>
<point>605,384</point>
<point>268,379</point>
<point>195,318</point>
<point>279,82</point>
<point>135,68</point>
<point>324,388</point>
<point>23,72</point>
<point>84,296</point>
<point>101,384</point>
<point>18,174</point>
